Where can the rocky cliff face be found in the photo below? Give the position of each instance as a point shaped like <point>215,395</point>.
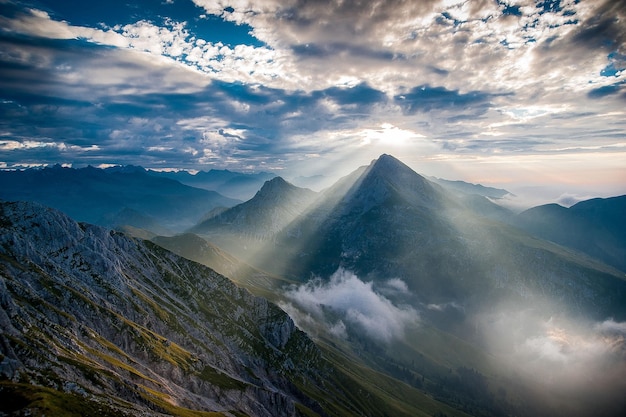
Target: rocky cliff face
<point>128,327</point>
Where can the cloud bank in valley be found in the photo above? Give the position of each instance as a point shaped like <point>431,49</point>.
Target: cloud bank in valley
<point>580,363</point>
<point>345,302</point>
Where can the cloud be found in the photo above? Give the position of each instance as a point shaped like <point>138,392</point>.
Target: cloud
<point>578,361</point>
<point>425,98</point>
<point>482,79</point>
<point>607,90</point>
<point>569,199</point>
<point>345,301</point>
<point>46,88</point>
<point>442,307</point>
<point>611,327</point>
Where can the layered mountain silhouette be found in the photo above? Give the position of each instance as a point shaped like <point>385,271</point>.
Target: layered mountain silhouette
<point>472,189</point>
<point>453,257</point>
<point>273,207</point>
<point>235,185</point>
<point>113,197</point>
<point>596,227</point>
<point>385,221</point>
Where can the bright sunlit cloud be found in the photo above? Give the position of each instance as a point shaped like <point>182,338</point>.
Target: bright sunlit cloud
<point>389,135</point>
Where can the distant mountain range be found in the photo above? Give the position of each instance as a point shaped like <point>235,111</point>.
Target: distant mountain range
<point>115,196</point>
<point>456,257</point>
<point>468,188</point>
<point>237,185</point>
<point>386,221</point>
<point>596,227</point>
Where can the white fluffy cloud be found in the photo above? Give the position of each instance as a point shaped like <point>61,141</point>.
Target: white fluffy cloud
<point>344,300</point>
<point>508,46</point>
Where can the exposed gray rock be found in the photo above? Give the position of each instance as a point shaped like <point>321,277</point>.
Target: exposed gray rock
<point>94,313</point>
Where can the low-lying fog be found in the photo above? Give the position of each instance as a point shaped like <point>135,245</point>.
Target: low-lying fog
<point>576,362</point>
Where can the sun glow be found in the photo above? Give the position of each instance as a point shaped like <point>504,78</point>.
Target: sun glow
<point>389,135</point>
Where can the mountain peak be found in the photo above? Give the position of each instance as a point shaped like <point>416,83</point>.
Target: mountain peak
<point>126,169</point>
<point>388,158</point>
<point>387,175</point>
<point>275,186</point>
<point>276,204</point>
<point>390,165</point>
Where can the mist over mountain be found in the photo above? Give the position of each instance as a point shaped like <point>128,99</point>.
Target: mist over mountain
<point>410,255</point>
<point>392,222</point>
<point>314,182</point>
<point>114,196</point>
<point>468,188</point>
<point>237,185</point>
<point>596,227</point>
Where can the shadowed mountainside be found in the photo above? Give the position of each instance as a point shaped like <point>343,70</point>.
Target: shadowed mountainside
<point>113,197</point>
<point>596,227</point>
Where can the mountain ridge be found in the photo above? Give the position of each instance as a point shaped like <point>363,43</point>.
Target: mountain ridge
<point>451,285</point>
<point>272,207</point>
<point>237,185</point>
<point>98,196</point>
<point>388,221</point>
<point>596,227</point>
<point>102,278</point>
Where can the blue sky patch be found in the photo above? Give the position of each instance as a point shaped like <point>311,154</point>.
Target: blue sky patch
<point>211,28</point>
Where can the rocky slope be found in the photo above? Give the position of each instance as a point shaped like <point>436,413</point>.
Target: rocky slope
<point>123,325</point>
<point>195,248</point>
<point>95,323</point>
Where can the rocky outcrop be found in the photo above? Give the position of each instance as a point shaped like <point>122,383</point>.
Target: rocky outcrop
<point>117,321</point>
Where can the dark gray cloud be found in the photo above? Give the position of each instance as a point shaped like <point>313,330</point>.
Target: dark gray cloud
<point>331,50</point>
<point>605,28</point>
<point>150,112</point>
<point>608,90</point>
<point>425,98</point>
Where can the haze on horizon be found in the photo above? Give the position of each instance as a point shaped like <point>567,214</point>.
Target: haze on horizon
<point>511,94</point>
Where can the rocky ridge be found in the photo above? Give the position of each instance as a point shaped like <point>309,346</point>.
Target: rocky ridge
<point>130,327</point>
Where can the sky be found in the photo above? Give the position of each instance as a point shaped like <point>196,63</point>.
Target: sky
<point>519,94</point>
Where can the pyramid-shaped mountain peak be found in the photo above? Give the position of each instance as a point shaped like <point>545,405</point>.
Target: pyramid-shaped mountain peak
<point>394,172</point>
<point>386,158</point>
<point>388,164</point>
<point>387,176</point>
